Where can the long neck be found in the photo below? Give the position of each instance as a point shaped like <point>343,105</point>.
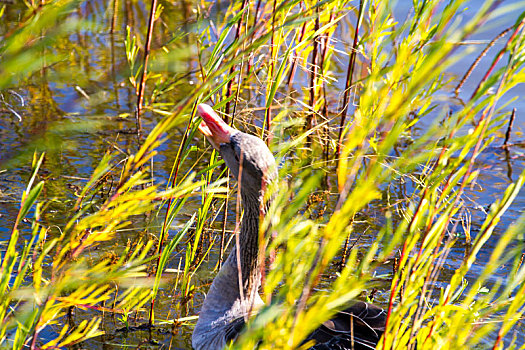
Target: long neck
<point>249,243</point>
<point>225,301</point>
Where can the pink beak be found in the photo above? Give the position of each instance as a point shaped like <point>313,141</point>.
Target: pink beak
<point>213,127</point>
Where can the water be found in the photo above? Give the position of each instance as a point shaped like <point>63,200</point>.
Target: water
<point>83,106</point>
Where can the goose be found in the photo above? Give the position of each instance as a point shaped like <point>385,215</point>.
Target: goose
<point>228,303</point>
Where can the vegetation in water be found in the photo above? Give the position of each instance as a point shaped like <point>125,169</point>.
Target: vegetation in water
<point>356,104</point>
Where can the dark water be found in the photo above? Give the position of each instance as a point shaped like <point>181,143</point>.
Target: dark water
<point>82,106</point>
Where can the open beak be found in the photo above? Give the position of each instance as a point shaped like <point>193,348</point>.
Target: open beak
<point>213,127</point>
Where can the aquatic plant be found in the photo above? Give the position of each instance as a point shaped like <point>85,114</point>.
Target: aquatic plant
<point>350,123</point>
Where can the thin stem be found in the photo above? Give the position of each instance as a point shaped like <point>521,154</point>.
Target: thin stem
<point>268,112</point>
<point>349,75</point>
<point>500,55</point>
<point>478,59</point>
<point>114,17</point>
<point>140,94</point>
<point>232,68</point>
<point>255,17</point>
<point>313,75</point>
<point>293,69</point>
<point>509,128</point>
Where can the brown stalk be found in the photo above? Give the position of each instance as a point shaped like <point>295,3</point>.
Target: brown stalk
<point>313,75</point>
<point>509,163</point>
<point>113,71</point>
<point>294,59</point>
<point>348,247</point>
<point>239,83</point>
<point>114,16</point>
<point>325,43</point>
<point>509,128</point>
<point>232,68</point>
<point>140,93</point>
<point>268,112</point>
<point>478,59</point>
<point>349,75</point>
<point>256,15</point>
<point>500,55</point>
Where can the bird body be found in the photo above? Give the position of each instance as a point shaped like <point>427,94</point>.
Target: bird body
<point>230,302</point>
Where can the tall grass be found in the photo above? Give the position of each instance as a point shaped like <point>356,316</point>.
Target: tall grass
<point>274,67</point>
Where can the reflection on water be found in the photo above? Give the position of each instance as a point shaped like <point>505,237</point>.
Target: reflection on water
<point>82,106</point>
